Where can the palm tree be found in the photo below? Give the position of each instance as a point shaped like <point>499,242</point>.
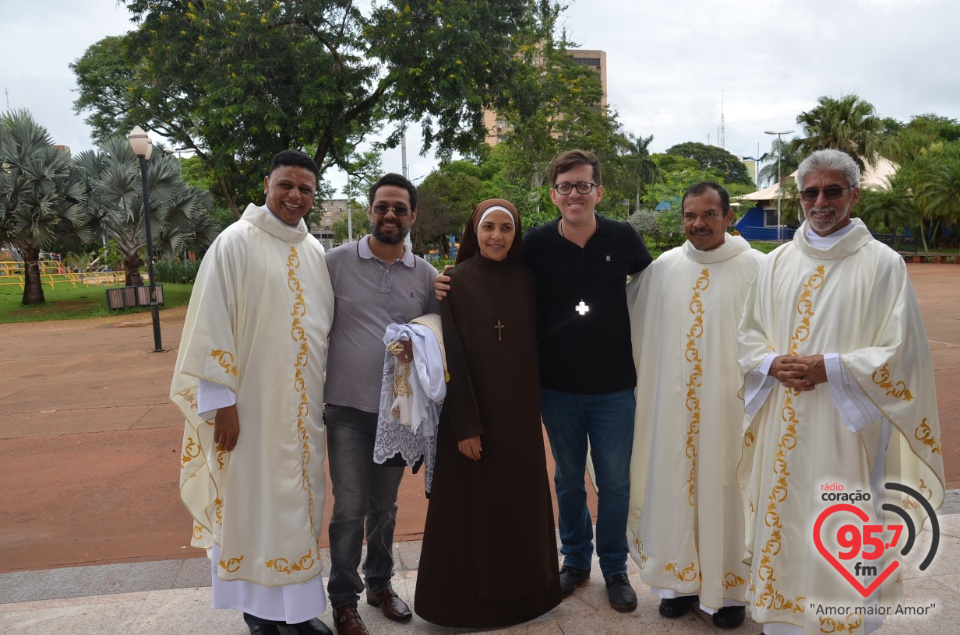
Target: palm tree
<point>938,195</point>
<point>849,124</point>
<point>178,212</point>
<point>887,209</point>
<point>642,169</point>
<point>42,196</point>
<point>789,161</point>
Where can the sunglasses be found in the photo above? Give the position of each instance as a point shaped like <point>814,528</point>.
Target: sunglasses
<point>831,193</point>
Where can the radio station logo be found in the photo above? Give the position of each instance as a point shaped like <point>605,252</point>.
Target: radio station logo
<point>862,544</point>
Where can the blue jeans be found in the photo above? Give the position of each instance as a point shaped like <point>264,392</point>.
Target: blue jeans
<point>607,421</point>
<point>364,493</point>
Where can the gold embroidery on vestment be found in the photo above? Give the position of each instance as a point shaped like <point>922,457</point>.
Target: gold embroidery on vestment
<point>769,597</point>
<point>191,450</point>
<point>232,565</point>
<point>225,359</point>
<point>688,574</point>
<point>692,355</point>
<point>924,434</point>
<point>847,625</point>
<point>731,580</point>
<point>282,565</point>
<point>299,335</point>
<point>898,390</point>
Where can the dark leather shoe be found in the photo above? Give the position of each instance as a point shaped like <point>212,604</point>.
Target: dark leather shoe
<point>729,616</point>
<point>348,621</point>
<point>393,607</point>
<point>260,626</point>
<point>677,607</point>
<point>571,578</point>
<point>621,595</point>
<point>312,627</point>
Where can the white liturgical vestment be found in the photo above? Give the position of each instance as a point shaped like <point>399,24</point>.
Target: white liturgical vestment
<point>685,523</point>
<point>257,324</point>
<point>801,449</point>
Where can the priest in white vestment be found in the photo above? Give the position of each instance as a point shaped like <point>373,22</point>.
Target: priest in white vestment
<point>685,524</point>
<point>249,380</point>
<point>840,400</point>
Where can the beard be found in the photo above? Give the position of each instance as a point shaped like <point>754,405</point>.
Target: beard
<point>391,239</point>
<point>824,224</point>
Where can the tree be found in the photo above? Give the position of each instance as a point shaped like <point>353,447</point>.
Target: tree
<point>938,191</point>
<point>447,197</point>
<point>887,210</point>
<point>715,160</point>
<point>634,170</point>
<point>677,174</point>
<point>236,81</point>
<point>788,156</point>
<point>848,124</point>
<point>554,107</point>
<point>178,212</point>
<point>42,197</point>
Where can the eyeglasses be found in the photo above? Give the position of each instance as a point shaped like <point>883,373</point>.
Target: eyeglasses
<point>831,193</point>
<point>383,210</point>
<point>583,187</point>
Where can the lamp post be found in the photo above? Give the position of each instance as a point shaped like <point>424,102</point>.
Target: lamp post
<point>779,178</point>
<point>140,143</point>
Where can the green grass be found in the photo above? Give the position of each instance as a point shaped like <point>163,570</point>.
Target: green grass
<point>66,302</point>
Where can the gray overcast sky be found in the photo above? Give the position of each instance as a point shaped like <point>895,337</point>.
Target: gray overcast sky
<point>667,63</point>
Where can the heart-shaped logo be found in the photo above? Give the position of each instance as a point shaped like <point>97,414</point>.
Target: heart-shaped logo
<point>862,515</point>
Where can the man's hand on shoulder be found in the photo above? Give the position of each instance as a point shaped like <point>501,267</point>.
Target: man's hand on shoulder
<point>441,284</point>
<point>226,428</point>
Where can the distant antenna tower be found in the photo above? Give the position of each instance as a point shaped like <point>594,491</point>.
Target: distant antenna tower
<point>7,92</point>
<point>720,135</point>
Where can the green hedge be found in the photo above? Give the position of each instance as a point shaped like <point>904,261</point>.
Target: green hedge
<point>176,271</point>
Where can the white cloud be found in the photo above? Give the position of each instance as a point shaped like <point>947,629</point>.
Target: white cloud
<point>668,62</point>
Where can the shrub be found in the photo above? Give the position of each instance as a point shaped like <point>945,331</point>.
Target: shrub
<point>176,271</point>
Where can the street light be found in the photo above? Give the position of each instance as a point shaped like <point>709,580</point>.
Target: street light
<point>779,178</point>
<point>140,143</point>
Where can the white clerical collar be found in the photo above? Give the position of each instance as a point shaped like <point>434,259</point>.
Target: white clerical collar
<point>731,246</point>
<point>826,242</point>
<point>364,251</point>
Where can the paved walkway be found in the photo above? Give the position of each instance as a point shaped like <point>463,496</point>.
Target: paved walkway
<point>92,533</point>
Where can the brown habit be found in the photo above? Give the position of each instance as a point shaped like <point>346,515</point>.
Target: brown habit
<point>489,553</point>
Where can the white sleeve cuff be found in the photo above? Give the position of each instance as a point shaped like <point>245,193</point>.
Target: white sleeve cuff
<point>757,385</point>
<point>212,396</point>
<point>855,408</point>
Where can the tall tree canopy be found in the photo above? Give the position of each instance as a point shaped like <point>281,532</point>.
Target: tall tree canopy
<point>239,80</point>
<point>714,159</point>
<point>849,124</point>
<point>43,199</point>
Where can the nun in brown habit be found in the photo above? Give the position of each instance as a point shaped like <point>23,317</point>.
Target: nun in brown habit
<point>489,554</point>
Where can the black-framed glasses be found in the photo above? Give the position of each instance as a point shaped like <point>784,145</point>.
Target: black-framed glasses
<point>831,193</point>
<point>383,210</point>
<point>584,187</point>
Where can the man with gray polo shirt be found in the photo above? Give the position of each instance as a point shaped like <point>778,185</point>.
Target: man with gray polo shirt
<point>376,281</point>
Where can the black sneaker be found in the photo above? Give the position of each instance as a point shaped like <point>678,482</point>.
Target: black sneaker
<point>571,578</point>
<point>729,617</point>
<point>677,607</point>
<point>621,595</point>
